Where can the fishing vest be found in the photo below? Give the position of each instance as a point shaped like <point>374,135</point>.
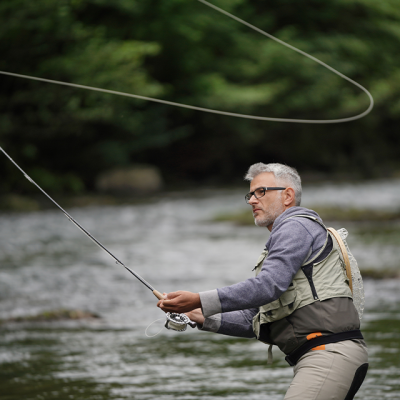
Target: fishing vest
<point>313,282</point>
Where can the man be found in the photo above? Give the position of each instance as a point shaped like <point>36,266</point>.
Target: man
<point>300,299</point>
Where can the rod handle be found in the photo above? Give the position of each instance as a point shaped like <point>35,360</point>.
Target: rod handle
<point>159,295</point>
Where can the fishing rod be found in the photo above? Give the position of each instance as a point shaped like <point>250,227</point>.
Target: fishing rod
<point>177,322</point>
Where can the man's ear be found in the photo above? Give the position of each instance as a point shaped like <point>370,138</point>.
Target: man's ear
<point>289,197</point>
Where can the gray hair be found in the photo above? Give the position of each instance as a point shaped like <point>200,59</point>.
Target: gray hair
<point>283,175</point>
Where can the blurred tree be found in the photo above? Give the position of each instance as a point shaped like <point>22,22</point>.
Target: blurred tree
<point>182,51</point>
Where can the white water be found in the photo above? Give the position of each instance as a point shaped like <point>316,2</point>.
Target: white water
<point>46,264</point>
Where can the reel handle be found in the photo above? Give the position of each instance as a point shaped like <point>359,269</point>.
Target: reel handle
<point>192,324</point>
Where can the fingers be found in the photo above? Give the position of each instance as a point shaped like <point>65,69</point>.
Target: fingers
<point>180,302</point>
<point>171,304</point>
<point>167,296</point>
<point>173,295</point>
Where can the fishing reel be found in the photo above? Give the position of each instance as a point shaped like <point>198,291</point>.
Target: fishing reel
<point>178,322</point>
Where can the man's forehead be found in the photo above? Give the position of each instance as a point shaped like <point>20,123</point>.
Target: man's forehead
<point>263,179</point>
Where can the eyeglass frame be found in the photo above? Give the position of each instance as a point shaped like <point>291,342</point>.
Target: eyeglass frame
<point>253,193</point>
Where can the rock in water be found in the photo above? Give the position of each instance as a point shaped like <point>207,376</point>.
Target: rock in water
<point>135,179</point>
<point>54,315</point>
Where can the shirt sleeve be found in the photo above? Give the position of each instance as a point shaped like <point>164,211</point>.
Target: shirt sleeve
<point>234,323</point>
<point>288,247</point>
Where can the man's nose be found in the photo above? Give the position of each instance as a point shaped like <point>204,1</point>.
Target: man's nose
<point>253,200</point>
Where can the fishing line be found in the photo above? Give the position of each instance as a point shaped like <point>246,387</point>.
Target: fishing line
<point>230,114</point>
<point>148,326</point>
<point>174,321</point>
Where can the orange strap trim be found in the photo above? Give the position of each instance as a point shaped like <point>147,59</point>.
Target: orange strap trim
<point>313,335</point>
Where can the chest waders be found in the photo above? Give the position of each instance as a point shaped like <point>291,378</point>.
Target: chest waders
<point>317,282</point>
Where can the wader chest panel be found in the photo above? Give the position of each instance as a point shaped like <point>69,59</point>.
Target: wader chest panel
<point>326,279</point>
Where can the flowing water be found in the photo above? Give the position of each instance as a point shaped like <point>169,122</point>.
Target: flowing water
<point>48,264</point>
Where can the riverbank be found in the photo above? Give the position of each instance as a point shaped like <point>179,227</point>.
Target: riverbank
<point>352,214</point>
<point>22,203</point>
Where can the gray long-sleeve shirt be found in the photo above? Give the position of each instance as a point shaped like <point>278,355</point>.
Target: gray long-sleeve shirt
<point>230,310</point>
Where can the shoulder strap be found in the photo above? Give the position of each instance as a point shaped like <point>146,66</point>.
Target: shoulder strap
<point>345,255</point>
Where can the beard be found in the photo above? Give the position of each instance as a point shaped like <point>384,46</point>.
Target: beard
<point>269,216</point>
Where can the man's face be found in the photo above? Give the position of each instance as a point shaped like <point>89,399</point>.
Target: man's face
<point>270,206</point>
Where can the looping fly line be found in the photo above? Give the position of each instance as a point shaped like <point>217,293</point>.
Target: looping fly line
<point>246,116</point>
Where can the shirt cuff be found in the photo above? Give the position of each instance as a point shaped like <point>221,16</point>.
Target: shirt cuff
<point>211,324</point>
<point>210,303</point>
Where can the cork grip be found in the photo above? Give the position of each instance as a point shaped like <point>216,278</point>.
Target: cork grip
<point>158,294</point>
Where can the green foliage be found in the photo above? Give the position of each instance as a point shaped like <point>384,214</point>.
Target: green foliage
<point>182,51</point>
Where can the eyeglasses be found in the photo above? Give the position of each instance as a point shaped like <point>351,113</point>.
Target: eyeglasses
<point>260,192</point>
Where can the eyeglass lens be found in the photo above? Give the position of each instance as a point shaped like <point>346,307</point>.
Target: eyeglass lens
<point>260,192</point>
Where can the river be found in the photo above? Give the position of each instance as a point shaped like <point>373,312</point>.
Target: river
<point>172,242</point>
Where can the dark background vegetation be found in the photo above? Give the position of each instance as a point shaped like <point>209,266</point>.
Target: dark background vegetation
<point>182,51</point>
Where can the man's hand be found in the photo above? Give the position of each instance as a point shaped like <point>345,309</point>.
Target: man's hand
<point>196,316</point>
<point>180,302</point>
